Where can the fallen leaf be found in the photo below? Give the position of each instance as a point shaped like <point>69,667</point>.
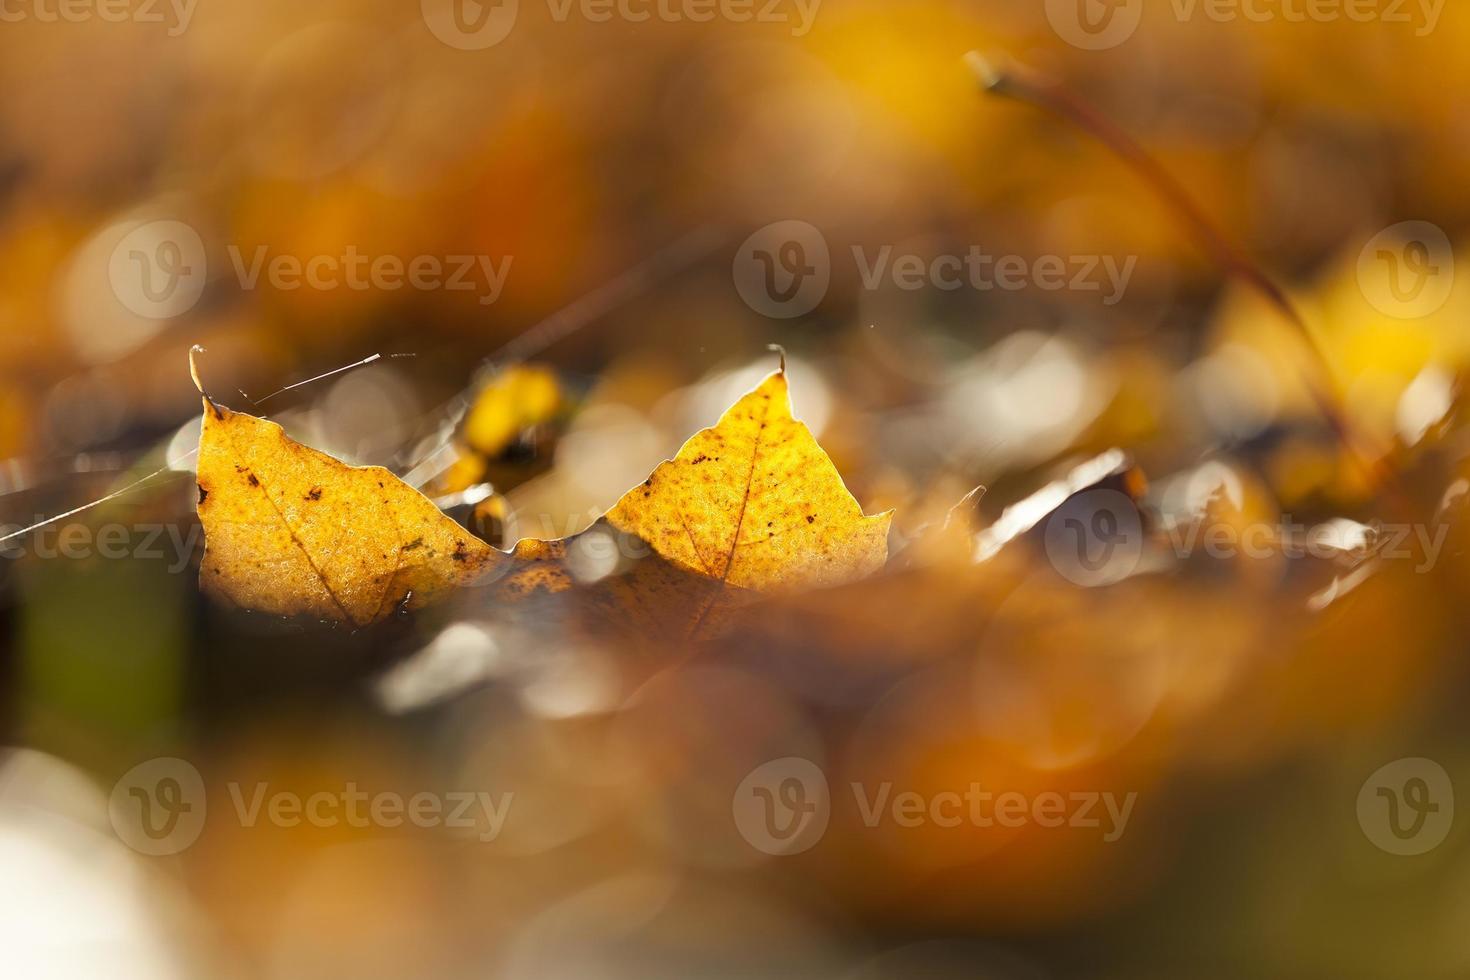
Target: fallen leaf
<point>292,531</point>
<point>750,506</point>
<point>755,503</point>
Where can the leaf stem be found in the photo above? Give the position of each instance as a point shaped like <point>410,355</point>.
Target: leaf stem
<point>194,353</point>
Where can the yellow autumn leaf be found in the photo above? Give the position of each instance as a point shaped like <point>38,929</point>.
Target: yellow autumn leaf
<point>292,531</point>
<point>755,502</point>
<point>748,507</point>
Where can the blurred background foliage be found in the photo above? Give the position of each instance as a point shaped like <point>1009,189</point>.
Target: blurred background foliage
<point>1244,700</point>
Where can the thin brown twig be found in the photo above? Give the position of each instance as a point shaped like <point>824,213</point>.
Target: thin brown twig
<point>1027,86</point>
